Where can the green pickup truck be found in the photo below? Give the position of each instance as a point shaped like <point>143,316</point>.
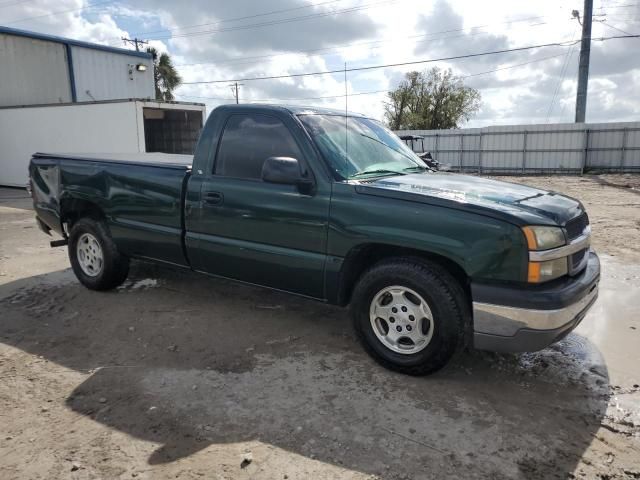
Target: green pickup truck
<point>337,208</point>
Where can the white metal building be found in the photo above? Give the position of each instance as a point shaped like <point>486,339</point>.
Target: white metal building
<point>43,69</point>
<point>59,95</point>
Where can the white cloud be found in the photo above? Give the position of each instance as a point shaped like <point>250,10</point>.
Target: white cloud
<point>383,32</point>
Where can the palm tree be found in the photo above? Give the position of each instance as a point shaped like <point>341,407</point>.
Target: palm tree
<point>165,75</point>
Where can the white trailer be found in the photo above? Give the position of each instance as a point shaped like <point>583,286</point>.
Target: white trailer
<point>111,126</point>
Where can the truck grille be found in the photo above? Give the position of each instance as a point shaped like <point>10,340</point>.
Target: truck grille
<point>576,226</point>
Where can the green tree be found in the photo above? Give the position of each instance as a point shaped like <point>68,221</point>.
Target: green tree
<point>165,75</point>
<point>430,100</point>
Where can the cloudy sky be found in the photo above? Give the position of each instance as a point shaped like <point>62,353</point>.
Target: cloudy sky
<point>222,40</point>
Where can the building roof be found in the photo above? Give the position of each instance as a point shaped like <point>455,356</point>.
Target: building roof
<point>149,103</point>
<point>69,41</point>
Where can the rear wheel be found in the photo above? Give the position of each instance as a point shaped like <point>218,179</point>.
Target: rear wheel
<point>409,314</point>
<point>94,257</point>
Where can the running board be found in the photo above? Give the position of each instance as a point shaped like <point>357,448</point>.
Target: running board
<point>59,243</point>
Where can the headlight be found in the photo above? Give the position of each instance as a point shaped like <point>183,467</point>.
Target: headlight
<point>544,271</point>
<point>544,238</point>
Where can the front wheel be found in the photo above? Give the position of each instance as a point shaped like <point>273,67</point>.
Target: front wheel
<point>94,257</point>
<point>410,315</point>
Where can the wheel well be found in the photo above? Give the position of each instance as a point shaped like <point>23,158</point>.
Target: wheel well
<point>361,258</point>
<point>73,209</point>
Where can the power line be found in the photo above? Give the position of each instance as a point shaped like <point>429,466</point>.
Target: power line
<point>279,22</point>
<point>564,106</point>
<point>618,6</point>
<point>9,4</point>
<point>292,99</point>
<point>624,18</point>
<point>400,64</point>
<point>563,72</point>
<point>375,91</point>
<point>372,67</point>
<point>242,60</point>
<point>308,53</point>
<point>58,13</point>
<point>181,27</point>
<point>615,28</point>
<point>273,12</point>
<point>204,98</point>
<point>620,15</point>
<point>284,20</point>
<point>512,66</point>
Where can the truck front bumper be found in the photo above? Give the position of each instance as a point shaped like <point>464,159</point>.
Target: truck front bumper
<point>517,319</point>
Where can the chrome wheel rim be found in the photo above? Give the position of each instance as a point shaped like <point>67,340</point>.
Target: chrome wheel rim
<point>89,255</point>
<point>401,319</point>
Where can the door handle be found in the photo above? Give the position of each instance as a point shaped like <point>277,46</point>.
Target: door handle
<point>212,198</point>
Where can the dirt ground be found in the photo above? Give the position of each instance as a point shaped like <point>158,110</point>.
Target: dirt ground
<point>176,375</point>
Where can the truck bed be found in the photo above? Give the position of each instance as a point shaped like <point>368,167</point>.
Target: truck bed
<point>140,196</point>
<point>167,160</point>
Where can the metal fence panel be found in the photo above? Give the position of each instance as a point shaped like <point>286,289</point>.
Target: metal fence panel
<point>631,152</point>
<point>564,148</point>
<point>449,142</point>
<point>469,161</point>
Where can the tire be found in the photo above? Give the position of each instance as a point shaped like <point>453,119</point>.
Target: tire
<point>97,264</point>
<point>432,341</point>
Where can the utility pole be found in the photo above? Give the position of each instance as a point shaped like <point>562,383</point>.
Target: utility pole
<point>234,88</point>
<point>135,42</point>
<point>583,68</point>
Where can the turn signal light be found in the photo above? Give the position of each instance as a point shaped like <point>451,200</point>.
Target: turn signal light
<point>545,271</point>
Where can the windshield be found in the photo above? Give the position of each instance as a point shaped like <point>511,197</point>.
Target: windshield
<point>360,147</point>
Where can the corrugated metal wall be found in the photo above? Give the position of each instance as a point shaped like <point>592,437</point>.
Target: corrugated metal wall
<point>105,75</point>
<point>36,71</point>
<point>32,71</point>
<point>568,148</point>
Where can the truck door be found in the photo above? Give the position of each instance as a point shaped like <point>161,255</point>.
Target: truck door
<point>246,229</point>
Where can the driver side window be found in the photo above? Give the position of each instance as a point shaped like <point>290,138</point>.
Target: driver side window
<point>248,140</point>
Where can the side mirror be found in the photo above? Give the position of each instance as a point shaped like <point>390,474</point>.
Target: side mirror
<point>285,171</point>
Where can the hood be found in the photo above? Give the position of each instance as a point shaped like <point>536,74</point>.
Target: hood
<point>529,205</point>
